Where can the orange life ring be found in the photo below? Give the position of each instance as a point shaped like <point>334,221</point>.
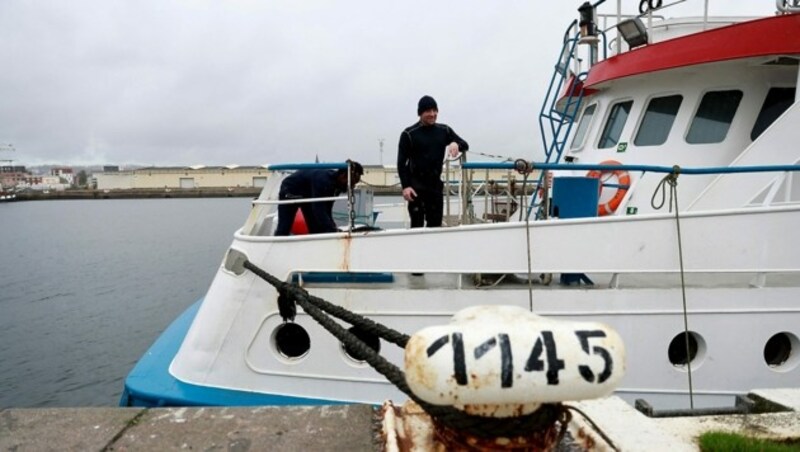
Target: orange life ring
<point>623,180</point>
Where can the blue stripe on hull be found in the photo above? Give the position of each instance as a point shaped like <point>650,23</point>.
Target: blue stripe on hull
<point>344,277</point>
<point>150,383</point>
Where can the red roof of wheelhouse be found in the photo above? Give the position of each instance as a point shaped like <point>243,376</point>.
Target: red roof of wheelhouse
<point>777,35</point>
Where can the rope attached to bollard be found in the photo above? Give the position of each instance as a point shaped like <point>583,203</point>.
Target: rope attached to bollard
<point>319,310</point>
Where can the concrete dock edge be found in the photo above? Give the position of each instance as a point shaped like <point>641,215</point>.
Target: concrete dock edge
<point>350,427</point>
<point>320,428</point>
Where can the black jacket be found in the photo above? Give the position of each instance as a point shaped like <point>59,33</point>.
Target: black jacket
<point>313,184</point>
<point>420,154</point>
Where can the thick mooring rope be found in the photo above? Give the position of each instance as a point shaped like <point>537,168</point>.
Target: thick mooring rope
<point>318,309</point>
<point>671,179</point>
<point>594,426</point>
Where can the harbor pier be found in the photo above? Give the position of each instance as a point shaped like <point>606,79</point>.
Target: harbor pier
<point>354,427</point>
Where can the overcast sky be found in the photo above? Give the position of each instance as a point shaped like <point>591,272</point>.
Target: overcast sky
<point>249,82</point>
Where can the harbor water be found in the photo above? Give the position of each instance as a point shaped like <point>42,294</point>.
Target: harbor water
<point>87,286</point>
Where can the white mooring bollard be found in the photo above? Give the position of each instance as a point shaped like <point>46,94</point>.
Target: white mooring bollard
<point>505,361</point>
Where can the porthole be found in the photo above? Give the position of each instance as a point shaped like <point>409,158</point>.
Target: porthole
<point>677,352</point>
<point>781,351</point>
<point>291,341</point>
<point>370,339</point>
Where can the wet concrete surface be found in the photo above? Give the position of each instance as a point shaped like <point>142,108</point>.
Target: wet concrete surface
<point>350,427</point>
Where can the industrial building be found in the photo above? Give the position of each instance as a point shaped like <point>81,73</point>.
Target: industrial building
<point>380,178</point>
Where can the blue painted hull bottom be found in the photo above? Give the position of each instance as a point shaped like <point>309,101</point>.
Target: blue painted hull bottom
<point>150,384</point>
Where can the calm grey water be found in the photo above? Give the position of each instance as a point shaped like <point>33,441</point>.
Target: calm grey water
<point>87,286</point>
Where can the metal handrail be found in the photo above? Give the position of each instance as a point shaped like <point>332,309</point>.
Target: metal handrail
<point>316,165</point>
<point>296,201</point>
<point>301,166</point>
<point>645,168</point>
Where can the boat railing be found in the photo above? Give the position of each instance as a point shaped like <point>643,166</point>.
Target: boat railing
<point>296,201</point>
<point>545,168</point>
<point>483,197</point>
<point>263,220</point>
<point>500,200</point>
<point>647,12</point>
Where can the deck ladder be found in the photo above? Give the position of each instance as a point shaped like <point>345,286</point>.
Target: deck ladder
<point>556,118</point>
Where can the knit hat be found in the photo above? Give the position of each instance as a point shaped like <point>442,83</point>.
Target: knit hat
<point>425,104</point>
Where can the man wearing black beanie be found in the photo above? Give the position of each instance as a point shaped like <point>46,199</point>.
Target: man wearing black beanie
<point>420,154</point>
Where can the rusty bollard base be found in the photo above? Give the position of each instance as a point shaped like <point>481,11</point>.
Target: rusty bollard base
<point>407,427</point>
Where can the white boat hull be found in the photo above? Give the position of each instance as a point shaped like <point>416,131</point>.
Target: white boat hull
<point>634,260</point>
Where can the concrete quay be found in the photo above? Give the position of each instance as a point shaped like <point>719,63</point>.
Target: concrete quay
<point>321,428</point>
<point>350,427</point>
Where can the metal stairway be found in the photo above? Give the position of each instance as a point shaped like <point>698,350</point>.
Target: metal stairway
<point>560,107</point>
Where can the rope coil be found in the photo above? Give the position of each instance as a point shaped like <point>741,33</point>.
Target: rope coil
<point>670,179</point>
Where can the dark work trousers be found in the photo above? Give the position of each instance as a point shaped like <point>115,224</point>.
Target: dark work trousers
<point>287,212</point>
<point>426,209</point>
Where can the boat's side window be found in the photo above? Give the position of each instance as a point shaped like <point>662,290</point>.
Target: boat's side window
<point>583,126</point>
<point>615,124</point>
<point>777,101</point>
<point>714,117</point>
<point>658,120</point>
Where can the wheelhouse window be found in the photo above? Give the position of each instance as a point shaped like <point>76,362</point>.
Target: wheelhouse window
<point>777,101</point>
<point>615,124</point>
<point>658,120</point>
<point>714,117</point>
<point>583,126</point>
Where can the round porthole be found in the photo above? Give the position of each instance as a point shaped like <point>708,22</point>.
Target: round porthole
<point>678,350</point>
<point>291,341</point>
<point>371,340</point>
<point>781,351</point>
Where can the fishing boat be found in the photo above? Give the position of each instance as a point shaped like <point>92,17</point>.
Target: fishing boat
<point>663,208</point>
<point>7,196</point>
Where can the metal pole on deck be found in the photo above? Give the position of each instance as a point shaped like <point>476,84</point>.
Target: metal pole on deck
<point>619,19</point>
<point>447,189</point>
<point>350,199</point>
<point>465,189</point>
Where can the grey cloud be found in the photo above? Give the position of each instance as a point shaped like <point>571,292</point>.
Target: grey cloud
<point>255,81</point>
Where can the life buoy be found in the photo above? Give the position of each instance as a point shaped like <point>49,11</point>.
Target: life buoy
<point>623,183</point>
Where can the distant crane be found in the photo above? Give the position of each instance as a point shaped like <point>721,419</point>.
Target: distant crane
<point>9,148</point>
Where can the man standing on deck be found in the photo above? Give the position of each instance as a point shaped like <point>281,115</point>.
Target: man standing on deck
<point>420,154</point>
<point>314,183</point>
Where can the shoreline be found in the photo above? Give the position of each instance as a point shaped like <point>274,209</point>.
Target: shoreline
<point>152,193</point>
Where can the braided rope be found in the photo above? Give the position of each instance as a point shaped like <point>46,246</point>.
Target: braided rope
<point>481,426</point>
<point>592,423</point>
